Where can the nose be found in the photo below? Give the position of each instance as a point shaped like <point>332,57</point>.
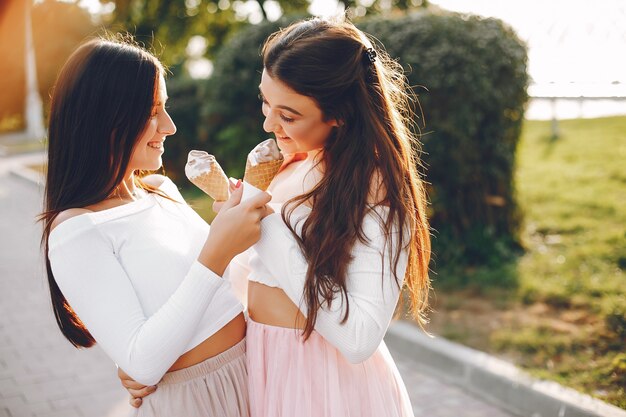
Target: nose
<point>166,124</point>
<point>269,124</point>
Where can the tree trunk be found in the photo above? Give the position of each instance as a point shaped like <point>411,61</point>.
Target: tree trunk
<point>34,106</point>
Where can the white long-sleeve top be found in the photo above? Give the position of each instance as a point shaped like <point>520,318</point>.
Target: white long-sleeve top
<point>372,289</point>
<point>131,275</point>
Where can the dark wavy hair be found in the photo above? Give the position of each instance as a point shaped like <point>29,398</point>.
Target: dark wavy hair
<point>101,104</point>
<point>372,151</point>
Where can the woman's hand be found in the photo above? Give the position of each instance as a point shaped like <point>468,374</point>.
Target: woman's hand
<point>236,227</point>
<point>135,389</point>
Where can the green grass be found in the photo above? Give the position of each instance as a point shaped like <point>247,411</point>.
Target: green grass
<point>564,315</point>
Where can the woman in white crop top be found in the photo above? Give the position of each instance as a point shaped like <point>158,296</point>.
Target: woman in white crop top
<point>351,233</point>
<point>325,277</point>
<point>130,265</point>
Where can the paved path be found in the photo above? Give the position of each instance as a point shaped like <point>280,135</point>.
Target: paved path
<point>41,374</point>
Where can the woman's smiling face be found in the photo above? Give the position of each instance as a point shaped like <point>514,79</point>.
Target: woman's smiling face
<point>296,120</point>
<point>149,148</point>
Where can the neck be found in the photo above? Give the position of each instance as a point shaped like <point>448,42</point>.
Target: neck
<point>315,155</point>
<point>126,190</point>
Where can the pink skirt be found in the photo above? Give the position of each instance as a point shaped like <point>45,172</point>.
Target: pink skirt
<point>217,387</point>
<point>288,377</point>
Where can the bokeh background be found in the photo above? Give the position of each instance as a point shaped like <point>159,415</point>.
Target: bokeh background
<point>522,121</point>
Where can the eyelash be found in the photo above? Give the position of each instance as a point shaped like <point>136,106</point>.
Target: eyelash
<point>283,117</point>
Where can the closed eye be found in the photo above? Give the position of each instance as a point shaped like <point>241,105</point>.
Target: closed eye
<point>282,116</point>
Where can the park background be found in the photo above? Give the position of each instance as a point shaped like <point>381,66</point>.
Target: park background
<point>523,143</point>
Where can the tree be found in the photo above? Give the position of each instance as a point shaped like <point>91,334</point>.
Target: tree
<point>167,25</point>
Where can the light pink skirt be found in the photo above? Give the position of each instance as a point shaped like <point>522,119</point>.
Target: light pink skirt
<point>216,387</point>
<point>289,377</point>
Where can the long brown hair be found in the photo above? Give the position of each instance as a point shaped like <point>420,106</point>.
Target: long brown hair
<point>101,103</point>
<point>373,148</point>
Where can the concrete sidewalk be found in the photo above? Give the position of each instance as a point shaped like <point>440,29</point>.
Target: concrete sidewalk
<point>41,374</point>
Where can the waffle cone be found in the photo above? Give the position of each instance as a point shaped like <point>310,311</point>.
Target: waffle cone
<point>213,182</point>
<point>262,174</point>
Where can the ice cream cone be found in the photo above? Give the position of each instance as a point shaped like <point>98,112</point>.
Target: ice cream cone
<point>261,175</point>
<point>205,172</point>
<point>262,165</point>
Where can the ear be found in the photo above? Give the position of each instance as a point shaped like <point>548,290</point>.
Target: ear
<point>334,122</point>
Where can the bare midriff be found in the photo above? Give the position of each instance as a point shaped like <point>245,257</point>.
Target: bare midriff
<point>225,338</point>
<point>270,305</point>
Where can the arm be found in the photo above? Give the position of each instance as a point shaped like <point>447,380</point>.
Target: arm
<point>98,289</point>
<point>372,289</point>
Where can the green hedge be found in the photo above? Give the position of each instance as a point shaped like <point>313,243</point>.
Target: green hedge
<point>470,76</point>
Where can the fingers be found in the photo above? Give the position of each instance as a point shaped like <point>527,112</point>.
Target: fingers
<point>266,211</point>
<point>235,197</point>
<point>217,206</point>
<point>143,392</point>
<point>232,184</point>
<point>135,402</point>
<point>258,201</point>
<point>132,384</point>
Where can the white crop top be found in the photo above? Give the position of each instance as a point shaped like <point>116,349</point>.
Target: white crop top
<point>131,275</point>
<point>373,293</point>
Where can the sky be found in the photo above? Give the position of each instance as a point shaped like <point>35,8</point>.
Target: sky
<point>570,41</point>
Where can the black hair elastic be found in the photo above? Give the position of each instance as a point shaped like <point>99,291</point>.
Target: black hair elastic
<point>371,55</point>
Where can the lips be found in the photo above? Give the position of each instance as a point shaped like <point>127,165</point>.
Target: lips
<point>156,145</point>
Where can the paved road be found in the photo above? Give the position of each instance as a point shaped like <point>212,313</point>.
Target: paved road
<point>41,374</point>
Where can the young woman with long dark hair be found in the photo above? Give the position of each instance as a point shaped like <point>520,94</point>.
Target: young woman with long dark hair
<point>325,277</point>
<point>352,231</point>
<point>130,265</point>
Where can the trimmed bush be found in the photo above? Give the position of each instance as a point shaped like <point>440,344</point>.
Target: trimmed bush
<point>470,76</point>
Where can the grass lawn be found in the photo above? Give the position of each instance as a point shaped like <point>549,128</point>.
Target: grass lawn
<point>562,313</point>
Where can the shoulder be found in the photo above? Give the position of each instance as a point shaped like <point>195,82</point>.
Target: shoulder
<point>155,180</point>
<point>165,185</point>
<point>68,214</point>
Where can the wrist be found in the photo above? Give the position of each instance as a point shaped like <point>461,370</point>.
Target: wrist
<point>214,257</point>
<point>214,263</point>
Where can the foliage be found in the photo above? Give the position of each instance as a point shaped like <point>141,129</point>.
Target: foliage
<point>166,26</point>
